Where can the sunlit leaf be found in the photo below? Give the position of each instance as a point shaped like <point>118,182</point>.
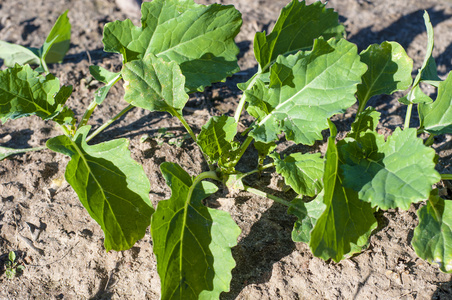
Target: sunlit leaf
<point>111,186</point>
<point>200,39</point>
<point>323,83</point>
<point>192,243</point>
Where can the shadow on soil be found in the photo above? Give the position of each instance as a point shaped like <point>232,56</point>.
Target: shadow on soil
<point>404,30</point>
<point>268,242</point>
<point>444,291</point>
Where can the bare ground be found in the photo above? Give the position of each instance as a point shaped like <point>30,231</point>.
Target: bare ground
<point>62,248</point>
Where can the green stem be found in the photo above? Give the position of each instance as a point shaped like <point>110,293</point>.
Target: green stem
<point>446,176</point>
<point>44,65</point>
<point>267,195</point>
<point>192,134</point>
<point>430,140</point>
<point>5,152</point>
<point>108,123</point>
<point>92,106</point>
<point>362,104</point>
<point>408,116</point>
<point>243,148</point>
<point>267,166</point>
<point>65,129</point>
<point>198,179</point>
<point>186,126</point>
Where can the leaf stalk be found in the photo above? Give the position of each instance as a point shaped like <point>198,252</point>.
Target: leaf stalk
<point>408,116</point>
<point>267,195</point>
<point>109,122</point>
<point>446,176</point>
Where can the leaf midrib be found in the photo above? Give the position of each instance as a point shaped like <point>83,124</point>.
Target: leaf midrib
<point>291,98</point>
<point>81,154</point>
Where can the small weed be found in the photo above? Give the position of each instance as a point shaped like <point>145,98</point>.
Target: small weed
<point>12,267</point>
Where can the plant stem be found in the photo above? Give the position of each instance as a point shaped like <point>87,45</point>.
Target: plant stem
<point>66,130</point>
<point>408,116</point>
<point>192,134</point>
<point>243,148</point>
<point>270,165</point>
<point>5,152</point>
<point>108,123</point>
<point>267,195</point>
<point>198,179</point>
<point>92,106</point>
<point>186,126</point>
<point>44,66</point>
<point>446,176</point>
<point>362,104</point>
<point>430,140</point>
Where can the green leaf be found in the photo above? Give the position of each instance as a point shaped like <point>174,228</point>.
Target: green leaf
<point>307,214</point>
<point>302,172</point>
<point>24,92</point>
<point>201,40</point>
<point>389,70</point>
<point>436,118</point>
<point>105,76</point>
<point>432,239</point>
<point>428,70</point>
<point>427,73</point>
<point>366,120</point>
<point>12,256</point>
<point>389,174</point>
<point>263,149</point>
<point>102,74</point>
<point>216,138</point>
<point>192,243</point>
<point>15,54</point>
<point>154,84</point>
<point>346,223</point>
<point>58,41</point>
<point>296,28</point>
<point>324,83</point>
<point>111,186</point>
<point>65,117</point>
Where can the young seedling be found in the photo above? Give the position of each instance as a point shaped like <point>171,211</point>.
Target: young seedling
<point>13,268</point>
<point>307,73</point>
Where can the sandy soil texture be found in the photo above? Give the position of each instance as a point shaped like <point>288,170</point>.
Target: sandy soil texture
<point>62,247</point>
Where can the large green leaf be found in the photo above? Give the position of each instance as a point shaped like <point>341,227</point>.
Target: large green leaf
<point>313,86</point>
<point>432,239</point>
<point>436,118</point>
<point>15,54</point>
<point>302,172</point>
<point>296,28</point>
<point>346,223</point>
<point>307,214</point>
<point>58,41</point>
<point>199,38</point>
<point>154,84</point>
<point>192,243</point>
<point>216,138</point>
<point>24,92</point>
<point>389,174</point>
<point>389,70</point>
<point>111,186</point>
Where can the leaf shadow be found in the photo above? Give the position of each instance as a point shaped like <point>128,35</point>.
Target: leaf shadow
<point>267,243</point>
<point>443,291</point>
<point>19,139</point>
<point>404,30</point>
